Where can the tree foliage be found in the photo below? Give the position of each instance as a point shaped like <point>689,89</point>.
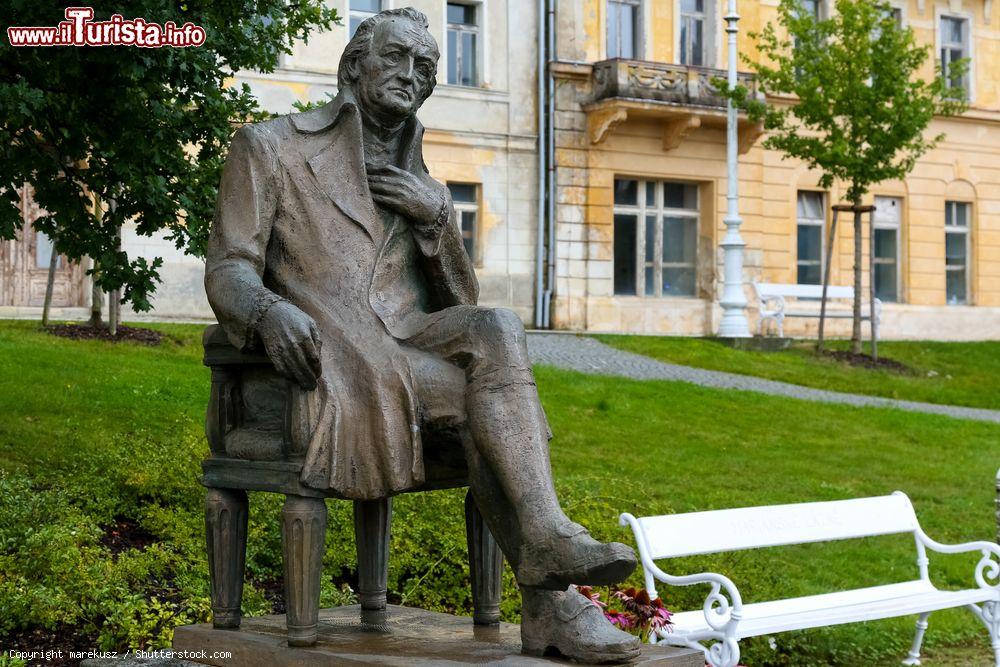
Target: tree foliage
<point>850,101</point>
<point>146,128</point>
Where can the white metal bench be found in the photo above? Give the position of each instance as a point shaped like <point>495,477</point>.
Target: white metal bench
<point>724,619</point>
<point>772,303</point>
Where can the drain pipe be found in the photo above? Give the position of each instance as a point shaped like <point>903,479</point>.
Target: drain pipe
<point>540,233</point>
<point>551,156</point>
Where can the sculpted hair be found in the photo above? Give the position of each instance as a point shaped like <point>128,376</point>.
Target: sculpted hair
<point>360,44</point>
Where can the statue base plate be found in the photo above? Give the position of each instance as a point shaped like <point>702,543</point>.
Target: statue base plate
<point>413,637</point>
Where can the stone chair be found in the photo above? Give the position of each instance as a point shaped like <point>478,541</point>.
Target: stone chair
<point>248,429</point>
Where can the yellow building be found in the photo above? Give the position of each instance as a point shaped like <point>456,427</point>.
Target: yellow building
<point>641,178</point>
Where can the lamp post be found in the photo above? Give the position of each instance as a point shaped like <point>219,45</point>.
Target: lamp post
<point>734,302</point>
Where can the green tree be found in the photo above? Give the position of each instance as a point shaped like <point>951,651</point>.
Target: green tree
<point>147,129</point>
<point>847,100</point>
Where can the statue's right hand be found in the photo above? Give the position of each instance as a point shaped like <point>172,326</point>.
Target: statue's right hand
<point>292,342</point>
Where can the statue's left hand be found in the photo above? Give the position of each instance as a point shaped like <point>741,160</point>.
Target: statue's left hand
<point>410,196</point>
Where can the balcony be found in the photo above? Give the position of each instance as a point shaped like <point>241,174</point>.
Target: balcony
<point>663,82</point>
<point>683,97</point>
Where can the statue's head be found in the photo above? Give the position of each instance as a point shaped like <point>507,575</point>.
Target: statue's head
<point>391,64</point>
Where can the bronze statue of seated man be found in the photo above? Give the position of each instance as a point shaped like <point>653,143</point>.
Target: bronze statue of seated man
<point>336,253</point>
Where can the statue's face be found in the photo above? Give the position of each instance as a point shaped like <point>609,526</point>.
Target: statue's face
<point>397,74</point>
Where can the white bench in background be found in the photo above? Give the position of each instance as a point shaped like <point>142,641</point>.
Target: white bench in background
<point>772,303</point>
<point>724,619</point>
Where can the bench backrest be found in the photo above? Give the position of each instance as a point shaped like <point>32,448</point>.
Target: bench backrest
<point>673,535</point>
<point>765,290</point>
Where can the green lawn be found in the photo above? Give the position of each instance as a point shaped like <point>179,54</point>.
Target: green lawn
<point>96,434</point>
<point>951,373</point>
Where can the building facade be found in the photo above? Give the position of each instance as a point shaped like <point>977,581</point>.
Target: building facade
<point>641,180</point>
<point>629,156</point>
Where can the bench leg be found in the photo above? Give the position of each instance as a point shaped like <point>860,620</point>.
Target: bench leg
<point>913,657</point>
<point>226,538</point>
<point>372,525</point>
<point>989,614</point>
<point>485,566</point>
<point>303,537</point>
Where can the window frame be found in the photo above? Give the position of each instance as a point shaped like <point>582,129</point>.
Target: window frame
<point>660,211</point>
<point>363,14</point>
<point>42,240</point>
<point>821,9</point>
<point>968,48</point>
<point>638,27</point>
<point>896,226</point>
<point>710,20</point>
<point>811,222</point>
<point>478,30</point>
<point>474,207</point>
<point>965,231</point>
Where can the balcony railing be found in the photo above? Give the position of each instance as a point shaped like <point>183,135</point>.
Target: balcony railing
<point>663,82</point>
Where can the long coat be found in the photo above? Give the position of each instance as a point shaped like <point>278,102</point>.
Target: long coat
<point>295,219</point>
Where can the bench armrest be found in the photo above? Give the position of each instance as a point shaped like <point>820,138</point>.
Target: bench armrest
<point>767,300</point>
<point>723,607</point>
<point>988,567</point>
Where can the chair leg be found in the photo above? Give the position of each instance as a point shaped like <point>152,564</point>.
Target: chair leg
<point>485,566</point>
<point>913,657</point>
<point>303,536</point>
<point>226,538</point>
<point>372,527</point>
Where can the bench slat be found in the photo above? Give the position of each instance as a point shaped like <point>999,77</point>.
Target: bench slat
<point>804,291</point>
<point>673,535</point>
<point>866,604</point>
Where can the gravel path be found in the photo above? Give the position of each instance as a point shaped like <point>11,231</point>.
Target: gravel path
<point>588,355</point>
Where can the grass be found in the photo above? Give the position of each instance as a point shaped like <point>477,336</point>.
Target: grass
<point>950,373</point>
<point>94,433</point>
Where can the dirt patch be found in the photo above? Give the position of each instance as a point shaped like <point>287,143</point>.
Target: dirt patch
<point>866,361</point>
<point>274,592</point>
<point>125,534</point>
<point>87,332</point>
<point>63,638</point>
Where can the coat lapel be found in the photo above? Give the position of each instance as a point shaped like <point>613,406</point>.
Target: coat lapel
<point>339,170</point>
<point>339,166</point>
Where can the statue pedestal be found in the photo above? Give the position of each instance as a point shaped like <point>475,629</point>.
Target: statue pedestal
<point>415,637</point>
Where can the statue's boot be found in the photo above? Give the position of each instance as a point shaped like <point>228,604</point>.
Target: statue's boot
<point>569,555</point>
<point>568,624</point>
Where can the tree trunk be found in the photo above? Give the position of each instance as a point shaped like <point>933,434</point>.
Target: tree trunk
<point>113,313</point>
<point>856,329</point>
<point>96,299</point>
<point>871,285</point>
<point>826,279</point>
<point>49,285</point>
<point>115,297</point>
